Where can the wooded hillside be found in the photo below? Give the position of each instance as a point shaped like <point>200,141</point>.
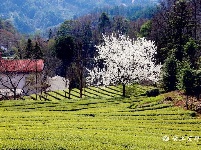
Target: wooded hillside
<point>32,15</point>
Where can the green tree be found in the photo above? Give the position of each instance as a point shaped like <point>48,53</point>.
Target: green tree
<point>65,46</point>
<point>66,28</point>
<point>37,52</point>
<point>33,52</point>
<point>188,83</point>
<point>65,51</point>
<point>197,89</point>
<point>191,50</point>
<point>192,83</point>
<point>145,29</point>
<point>29,49</point>
<point>179,22</point>
<point>170,74</point>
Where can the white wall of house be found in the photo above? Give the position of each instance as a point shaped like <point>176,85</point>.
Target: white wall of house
<point>20,81</point>
<point>56,83</point>
<point>5,81</point>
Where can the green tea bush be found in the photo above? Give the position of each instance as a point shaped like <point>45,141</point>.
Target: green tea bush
<point>97,123</point>
<point>135,90</point>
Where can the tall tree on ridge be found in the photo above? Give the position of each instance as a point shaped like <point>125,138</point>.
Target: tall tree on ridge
<point>104,23</point>
<point>29,49</point>
<point>37,52</point>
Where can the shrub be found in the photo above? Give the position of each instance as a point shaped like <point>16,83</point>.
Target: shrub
<point>153,92</point>
<point>197,84</point>
<point>188,81</point>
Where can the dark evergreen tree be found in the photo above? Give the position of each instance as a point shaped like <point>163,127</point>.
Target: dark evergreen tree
<point>197,89</point>
<point>192,53</point>
<point>29,49</point>
<point>37,52</point>
<point>65,47</point>
<point>104,23</point>
<point>179,22</point>
<point>170,74</point>
<point>33,52</point>
<point>65,51</point>
<point>192,83</point>
<point>188,81</point>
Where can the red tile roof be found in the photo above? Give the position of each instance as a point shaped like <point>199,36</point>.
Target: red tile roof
<point>25,65</point>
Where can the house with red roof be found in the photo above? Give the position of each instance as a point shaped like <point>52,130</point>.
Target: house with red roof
<point>20,75</point>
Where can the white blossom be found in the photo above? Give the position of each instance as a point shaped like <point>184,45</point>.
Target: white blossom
<point>124,61</point>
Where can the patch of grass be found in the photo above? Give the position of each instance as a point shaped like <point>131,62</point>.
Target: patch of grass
<point>134,90</point>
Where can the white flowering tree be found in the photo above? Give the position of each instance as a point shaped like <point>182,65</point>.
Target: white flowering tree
<point>124,61</point>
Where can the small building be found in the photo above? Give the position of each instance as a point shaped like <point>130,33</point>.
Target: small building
<point>24,75</point>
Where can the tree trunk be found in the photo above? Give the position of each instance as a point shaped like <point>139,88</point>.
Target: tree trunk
<point>69,92</point>
<point>124,90</point>
<point>187,102</point>
<point>81,92</point>
<point>81,86</point>
<point>15,95</point>
<point>36,82</point>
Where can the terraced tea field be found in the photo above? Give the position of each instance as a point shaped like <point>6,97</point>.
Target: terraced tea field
<point>90,92</point>
<point>108,122</point>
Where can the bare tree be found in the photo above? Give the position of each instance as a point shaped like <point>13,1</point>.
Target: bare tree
<point>18,75</point>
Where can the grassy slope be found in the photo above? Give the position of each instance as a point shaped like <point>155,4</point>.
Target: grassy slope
<point>101,123</point>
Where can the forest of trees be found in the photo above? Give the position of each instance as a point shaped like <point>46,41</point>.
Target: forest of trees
<point>176,30</point>
<point>174,26</point>
<point>30,16</point>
